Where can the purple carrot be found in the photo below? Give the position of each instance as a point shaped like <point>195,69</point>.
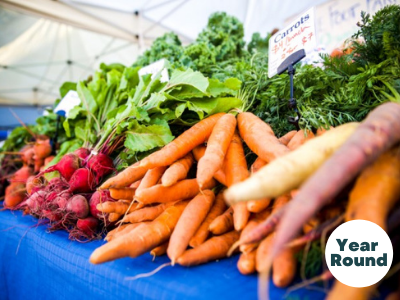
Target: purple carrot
<point>263,229</point>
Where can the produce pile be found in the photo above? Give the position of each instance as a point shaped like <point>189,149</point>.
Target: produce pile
<point>207,164</point>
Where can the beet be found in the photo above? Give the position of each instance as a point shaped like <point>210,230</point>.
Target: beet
<point>100,165</point>
<point>82,181</point>
<point>36,200</point>
<point>66,166</point>
<point>51,215</point>
<point>88,226</point>
<point>82,153</point>
<point>57,184</point>
<point>79,206</point>
<point>62,200</point>
<point>99,197</point>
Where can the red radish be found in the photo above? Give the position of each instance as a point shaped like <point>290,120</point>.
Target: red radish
<point>42,148</point>
<point>100,165</point>
<point>88,226</point>
<point>82,181</point>
<point>82,153</point>
<point>79,206</point>
<point>66,166</point>
<point>99,197</point>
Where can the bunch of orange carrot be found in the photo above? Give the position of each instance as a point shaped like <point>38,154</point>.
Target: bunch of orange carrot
<point>34,158</point>
<point>359,180</point>
<point>165,210</point>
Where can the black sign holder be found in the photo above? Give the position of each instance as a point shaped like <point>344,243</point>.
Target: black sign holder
<point>288,64</point>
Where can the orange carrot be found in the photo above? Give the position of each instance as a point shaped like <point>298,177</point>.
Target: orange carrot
<point>376,190</point>
<point>247,263</point>
<point>257,165</point>
<point>202,233</point>
<point>215,248</point>
<point>253,223</point>
<point>136,243</point>
<point>284,267</point>
<point>122,193</point>
<point>151,178</point>
<point>198,153</point>
<point>183,144</point>
<point>256,206</point>
<point>266,244</point>
<point>183,189</point>
<point>217,147</point>
<point>262,253</point>
<point>160,250</point>
<point>240,216</point>
<point>287,137</point>
<point>125,178</point>
<point>235,169</point>
<point>114,217</point>
<point>118,207</point>
<point>190,220</point>
<point>321,131</point>
<point>136,184</point>
<point>267,226</point>
<point>146,213</point>
<point>311,224</point>
<point>177,171</point>
<point>299,139</point>
<point>120,230</point>
<point>259,137</point>
<point>222,223</point>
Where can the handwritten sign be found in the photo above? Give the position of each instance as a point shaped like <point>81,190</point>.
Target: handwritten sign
<point>70,100</point>
<point>154,68</point>
<point>336,20</point>
<point>300,34</point>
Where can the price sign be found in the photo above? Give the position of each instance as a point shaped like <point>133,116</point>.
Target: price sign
<point>300,34</point>
<point>70,100</point>
<point>154,68</point>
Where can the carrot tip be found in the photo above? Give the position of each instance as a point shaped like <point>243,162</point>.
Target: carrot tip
<point>233,248</point>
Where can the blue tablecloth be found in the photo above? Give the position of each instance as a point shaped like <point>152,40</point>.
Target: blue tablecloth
<point>37,265</point>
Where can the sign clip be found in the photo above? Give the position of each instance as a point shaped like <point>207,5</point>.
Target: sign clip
<point>288,64</point>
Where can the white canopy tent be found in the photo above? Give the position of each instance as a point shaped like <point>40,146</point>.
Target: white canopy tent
<point>55,41</point>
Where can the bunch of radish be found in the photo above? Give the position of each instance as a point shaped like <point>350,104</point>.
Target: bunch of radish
<point>69,201</point>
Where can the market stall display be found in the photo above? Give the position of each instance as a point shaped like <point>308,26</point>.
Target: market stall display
<point>205,164</point>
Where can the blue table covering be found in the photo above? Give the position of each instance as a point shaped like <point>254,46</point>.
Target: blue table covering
<point>37,265</point>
